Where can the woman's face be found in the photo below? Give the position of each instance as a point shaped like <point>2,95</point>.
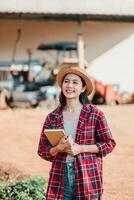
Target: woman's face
<point>72,86</point>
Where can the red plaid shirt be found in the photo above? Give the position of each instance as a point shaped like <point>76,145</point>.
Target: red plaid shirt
<point>92,129</point>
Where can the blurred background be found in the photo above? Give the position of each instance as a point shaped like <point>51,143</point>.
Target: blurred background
<point>37,38</point>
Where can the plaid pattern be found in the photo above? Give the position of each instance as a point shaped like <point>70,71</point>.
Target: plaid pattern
<point>92,129</point>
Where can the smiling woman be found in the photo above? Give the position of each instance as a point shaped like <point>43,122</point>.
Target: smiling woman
<point>76,171</point>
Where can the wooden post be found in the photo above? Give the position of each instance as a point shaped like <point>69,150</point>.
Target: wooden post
<point>80,46</point>
<point>30,77</point>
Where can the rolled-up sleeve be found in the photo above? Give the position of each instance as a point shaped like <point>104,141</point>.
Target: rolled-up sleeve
<point>44,145</point>
<point>104,138</point>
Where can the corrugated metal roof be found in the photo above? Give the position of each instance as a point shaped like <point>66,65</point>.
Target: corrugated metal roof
<point>79,7</point>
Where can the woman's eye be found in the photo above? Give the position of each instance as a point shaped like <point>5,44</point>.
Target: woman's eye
<point>65,81</point>
<point>75,82</point>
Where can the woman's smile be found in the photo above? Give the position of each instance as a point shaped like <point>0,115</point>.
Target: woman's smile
<point>69,91</point>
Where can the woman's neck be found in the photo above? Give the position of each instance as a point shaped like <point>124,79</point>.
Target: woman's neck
<point>72,106</point>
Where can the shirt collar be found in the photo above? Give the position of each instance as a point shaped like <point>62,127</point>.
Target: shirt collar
<point>85,108</point>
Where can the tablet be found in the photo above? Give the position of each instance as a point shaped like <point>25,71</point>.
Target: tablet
<point>54,135</point>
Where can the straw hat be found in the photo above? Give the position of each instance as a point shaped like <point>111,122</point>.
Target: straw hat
<point>78,71</point>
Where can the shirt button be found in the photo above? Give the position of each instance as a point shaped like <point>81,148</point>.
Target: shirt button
<point>70,164</point>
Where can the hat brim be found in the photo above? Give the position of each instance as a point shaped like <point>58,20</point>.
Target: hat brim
<point>78,71</point>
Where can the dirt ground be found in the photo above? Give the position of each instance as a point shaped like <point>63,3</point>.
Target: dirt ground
<point>19,136</point>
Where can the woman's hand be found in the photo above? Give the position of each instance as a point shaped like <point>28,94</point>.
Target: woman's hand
<point>63,143</point>
<point>67,145</point>
<point>72,148</point>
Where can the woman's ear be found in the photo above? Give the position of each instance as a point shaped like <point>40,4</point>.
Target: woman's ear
<point>83,89</point>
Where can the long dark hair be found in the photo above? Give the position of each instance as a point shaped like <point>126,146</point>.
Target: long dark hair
<point>83,98</point>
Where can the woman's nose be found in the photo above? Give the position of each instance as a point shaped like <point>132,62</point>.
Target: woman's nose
<point>70,84</point>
